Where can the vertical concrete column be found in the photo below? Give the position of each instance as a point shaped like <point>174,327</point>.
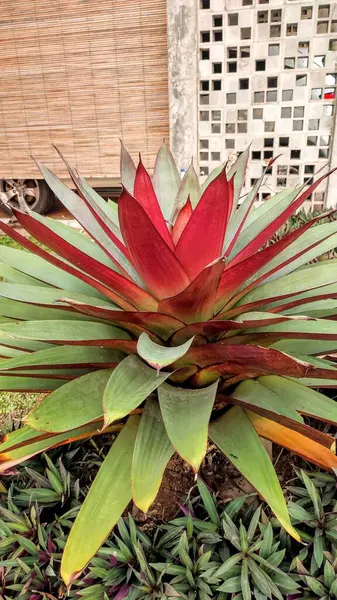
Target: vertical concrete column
<point>182,29</point>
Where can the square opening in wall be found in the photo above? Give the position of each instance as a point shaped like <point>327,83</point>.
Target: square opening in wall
<point>283,142</point>
<point>258,113</point>
<point>333,45</point>
<point>268,142</point>
<point>323,11</point>
<point>204,156</point>
<point>217,67</point>
<point>204,115</point>
<point>295,154</point>
<point>287,95</point>
<point>324,140</point>
<point>269,126</point>
<point>217,35</point>
<point>289,63</point>
<point>230,127</point>
<point>281,181</point>
<point>291,29</point>
<point>233,19</point>
<point>205,37</point>
<point>306,12</point>
<point>303,48</point>
<point>205,4</point>
<point>204,144</point>
<point>282,170</point>
<point>246,33</point>
<point>294,170</point>
<point>331,79</point>
<point>258,96</point>
<point>216,127</point>
<point>298,125</point>
<point>231,98</point>
<point>215,156</point>
<point>247,2</point>
<point>312,140</point>
<point>242,127</point>
<point>262,16</point>
<point>322,27</point>
<point>204,85</point>
<point>217,20</point>
<point>329,93</point>
<point>260,65</point>
<point>272,96</point>
<point>216,85</point>
<point>302,62</point>
<point>244,84</point>
<point>286,112</point>
<point>232,67</point>
<point>301,80</point>
<point>244,51</point>
<point>230,144</point>
<point>232,52</point>
<point>275,31</point>
<point>265,195</point>
<point>309,169</point>
<point>272,82</point>
<point>256,155</point>
<point>276,15</point>
<point>313,124</point>
<point>333,27</point>
<point>204,54</point>
<point>316,93</point>
<point>298,112</point>
<point>242,115</point>
<point>216,115</point>
<point>203,171</point>
<point>323,153</point>
<point>319,61</point>
<point>273,49</point>
<point>267,154</point>
<point>204,99</point>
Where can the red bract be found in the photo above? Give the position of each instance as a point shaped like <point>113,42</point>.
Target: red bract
<point>172,320</point>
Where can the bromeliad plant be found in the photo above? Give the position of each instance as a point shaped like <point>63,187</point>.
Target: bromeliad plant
<point>172,321</point>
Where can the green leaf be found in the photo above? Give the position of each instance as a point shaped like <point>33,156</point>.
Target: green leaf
<point>236,437</point>
<point>107,498</point>
<point>186,415</point>
<point>208,502</point>
<point>329,574</point>
<point>293,283</point>
<point>316,586</point>
<point>58,331</point>
<point>129,385</point>
<point>245,587</point>
<point>189,187</point>
<point>37,267</point>
<point>314,495</point>
<point>160,356</point>
<point>266,546</point>
<point>73,405</point>
<point>238,171</point>
<point>64,355</point>
<point>166,180</point>
<point>231,585</point>
<point>252,393</point>
<point>128,169</point>
<point>152,452</point>
<point>300,398</point>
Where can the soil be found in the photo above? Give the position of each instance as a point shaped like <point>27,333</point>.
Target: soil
<point>220,476</point>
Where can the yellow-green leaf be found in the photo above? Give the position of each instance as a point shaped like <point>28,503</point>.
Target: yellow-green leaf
<point>107,498</point>
<point>236,437</point>
<point>186,415</point>
<point>152,452</point>
<point>160,356</point>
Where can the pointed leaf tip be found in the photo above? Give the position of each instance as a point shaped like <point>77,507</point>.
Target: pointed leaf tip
<point>160,356</point>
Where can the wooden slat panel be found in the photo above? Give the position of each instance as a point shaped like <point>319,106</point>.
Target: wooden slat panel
<point>81,74</point>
